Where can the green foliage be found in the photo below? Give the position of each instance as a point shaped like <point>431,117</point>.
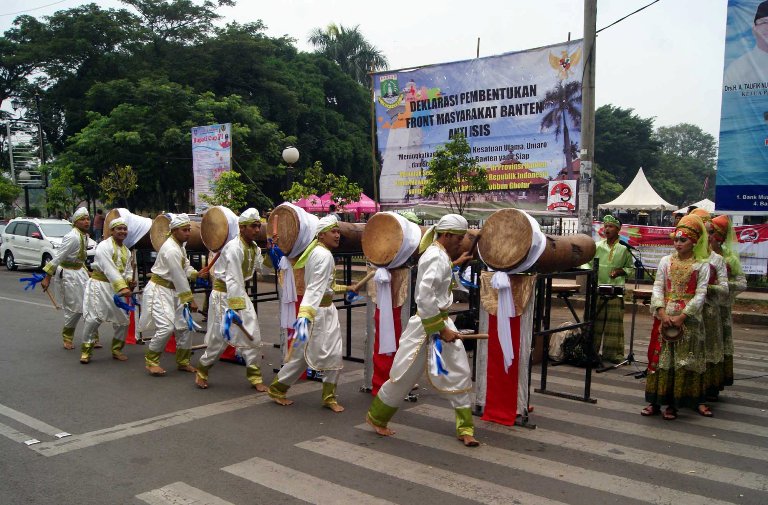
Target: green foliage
<point>317,182</point>
<point>623,143</point>
<point>118,184</point>
<point>229,191</point>
<point>63,193</point>
<point>349,49</point>
<point>455,174</point>
<point>9,191</point>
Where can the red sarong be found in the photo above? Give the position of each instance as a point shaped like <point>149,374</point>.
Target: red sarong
<point>382,363</point>
<point>501,388</point>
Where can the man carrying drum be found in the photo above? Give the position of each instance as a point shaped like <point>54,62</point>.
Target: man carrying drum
<point>431,342</point>
<point>232,318</point>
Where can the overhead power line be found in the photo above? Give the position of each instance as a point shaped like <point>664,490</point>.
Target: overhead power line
<point>628,15</point>
<point>30,10</point>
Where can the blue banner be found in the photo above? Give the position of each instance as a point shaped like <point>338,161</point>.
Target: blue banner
<point>520,112</point>
<point>742,166</point>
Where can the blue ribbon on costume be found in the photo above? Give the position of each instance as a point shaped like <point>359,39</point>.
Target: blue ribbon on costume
<point>464,282</point>
<point>127,307</point>
<point>302,330</point>
<point>202,283</point>
<point>32,282</point>
<point>352,297</point>
<point>437,367</point>
<point>230,316</point>
<point>191,324</point>
<point>275,254</point>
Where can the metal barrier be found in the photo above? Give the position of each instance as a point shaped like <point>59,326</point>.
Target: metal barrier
<point>541,325</point>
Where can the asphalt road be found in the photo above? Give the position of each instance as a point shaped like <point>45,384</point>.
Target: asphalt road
<point>136,439</point>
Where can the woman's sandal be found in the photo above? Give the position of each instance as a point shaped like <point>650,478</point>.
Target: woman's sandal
<point>651,410</point>
<point>704,410</point>
<point>670,414</point>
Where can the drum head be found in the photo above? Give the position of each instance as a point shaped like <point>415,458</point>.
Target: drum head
<point>159,231</point>
<point>382,238</point>
<point>284,222</point>
<point>111,216</point>
<point>214,229</point>
<point>505,239</point>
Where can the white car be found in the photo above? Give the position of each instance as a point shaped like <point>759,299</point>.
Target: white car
<point>32,242</point>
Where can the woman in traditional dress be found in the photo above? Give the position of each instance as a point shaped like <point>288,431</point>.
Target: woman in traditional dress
<point>722,240</point>
<point>717,293</point>
<point>676,367</point>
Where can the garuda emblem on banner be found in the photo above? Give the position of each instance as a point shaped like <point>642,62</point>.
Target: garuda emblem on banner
<point>565,62</point>
<point>389,91</point>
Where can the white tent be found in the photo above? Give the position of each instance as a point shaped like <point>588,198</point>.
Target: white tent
<point>705,204</point>
<point>639,195</point>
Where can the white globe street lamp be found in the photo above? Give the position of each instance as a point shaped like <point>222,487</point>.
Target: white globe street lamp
<point>290,156</point>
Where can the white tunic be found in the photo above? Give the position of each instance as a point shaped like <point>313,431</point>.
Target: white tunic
<point>172,266</point>
<point>235,266</point>
<point>323,350</point>
<point>113,262</point>
<point>70,282</point>
<point>434,296</point>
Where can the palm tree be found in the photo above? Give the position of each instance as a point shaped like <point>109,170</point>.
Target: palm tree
<point>349,49</point>
<point>564,102</point>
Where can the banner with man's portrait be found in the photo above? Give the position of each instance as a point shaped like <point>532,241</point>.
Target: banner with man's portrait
<point>742,167</point>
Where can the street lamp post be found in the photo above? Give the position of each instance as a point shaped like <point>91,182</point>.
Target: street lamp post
<point>42,144</point>
<point>290,156</point>
<point>24,178</point>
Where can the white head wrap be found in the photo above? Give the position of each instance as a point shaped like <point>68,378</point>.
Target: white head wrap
<point>449,223</point>
<point>79,214</point>
<point>452,223</point>
<point>179,221</point>
<point>117,222</point>
<point>327,223</point>
<point>248,216</point>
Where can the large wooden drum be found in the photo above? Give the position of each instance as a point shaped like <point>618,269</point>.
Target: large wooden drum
<point>382,239</point>
<point>219,226</point>
<point>507,237</point>
<point>162,225</point>
<point>285,223</point>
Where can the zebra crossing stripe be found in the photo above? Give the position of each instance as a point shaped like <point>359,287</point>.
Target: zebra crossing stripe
<point>573,474</point>
<point>653,433</point>
<point>617,452</point>
<point>180,493</point>
<point>299,485</point>
<point>433,477</point>
<point>26,420</point>
<point>13,434</point>
<point>141,426</point>
<point>631,407</point>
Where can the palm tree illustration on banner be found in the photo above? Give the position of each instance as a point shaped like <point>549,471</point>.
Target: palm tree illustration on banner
<point>564,104</point>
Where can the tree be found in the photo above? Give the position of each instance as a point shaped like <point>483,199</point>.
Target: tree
<point>316,182</point>
<point>349,49</point>
<point>118,184</point>
<point>63,193</point>
<point>229,191</point>
<point>9,191</point>
<point>455,174</point>
<point>688,141</point>
<point>623,143</point>
<point>564,102</point>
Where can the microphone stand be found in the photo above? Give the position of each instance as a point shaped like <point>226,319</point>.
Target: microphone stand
<point>631,356</point>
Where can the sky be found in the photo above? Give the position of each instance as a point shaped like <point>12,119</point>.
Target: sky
<point>664,62</point>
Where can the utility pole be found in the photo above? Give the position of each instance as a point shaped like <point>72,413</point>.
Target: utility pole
<point>586,181</point>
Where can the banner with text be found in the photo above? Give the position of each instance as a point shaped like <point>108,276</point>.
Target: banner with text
<point>653,243</point>
<point>742,166</point>
<point>211,155</point>
<point>519,112</point>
